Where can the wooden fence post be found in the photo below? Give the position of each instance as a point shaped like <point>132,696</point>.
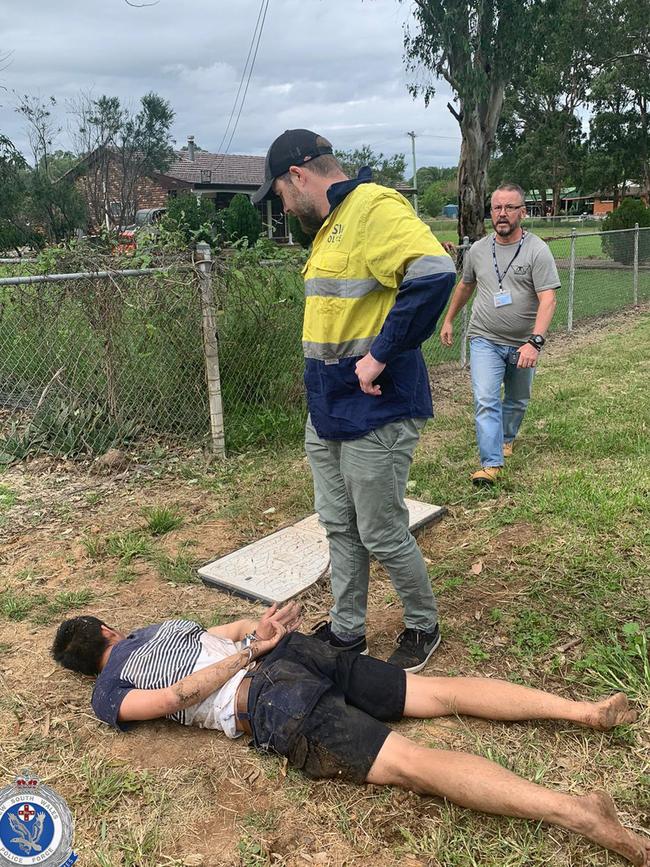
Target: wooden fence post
<point>211,349</point>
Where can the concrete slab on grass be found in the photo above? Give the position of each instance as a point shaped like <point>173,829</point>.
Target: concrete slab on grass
<point>281,565</point>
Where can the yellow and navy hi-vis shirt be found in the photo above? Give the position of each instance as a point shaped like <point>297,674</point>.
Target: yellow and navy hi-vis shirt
<point>376,281</point>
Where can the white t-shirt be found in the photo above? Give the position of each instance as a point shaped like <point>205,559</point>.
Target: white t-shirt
<point>217,711</point>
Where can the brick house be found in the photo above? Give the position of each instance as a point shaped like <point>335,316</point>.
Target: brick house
<point>214,176</point>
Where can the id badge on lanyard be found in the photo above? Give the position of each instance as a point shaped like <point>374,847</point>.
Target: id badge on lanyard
<point>503,298</point>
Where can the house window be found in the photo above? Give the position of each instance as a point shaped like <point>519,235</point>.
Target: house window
<point>206,176</point>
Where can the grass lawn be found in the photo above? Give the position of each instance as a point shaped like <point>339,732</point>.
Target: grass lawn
<point>587,247</point>
<point>543,581</point>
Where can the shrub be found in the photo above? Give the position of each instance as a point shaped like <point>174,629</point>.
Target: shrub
<point>433,200</point>
<point>190,217</point>
<point>298,233</point>
<point>620,246</point>
<point>241,220</point>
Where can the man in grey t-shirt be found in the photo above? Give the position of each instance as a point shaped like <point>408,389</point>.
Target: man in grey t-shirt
<point>515,277</point>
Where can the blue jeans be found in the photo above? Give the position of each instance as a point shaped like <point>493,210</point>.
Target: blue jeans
<point>497,421</point>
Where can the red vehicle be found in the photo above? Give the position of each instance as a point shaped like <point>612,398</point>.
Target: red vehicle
<point>145,217</point>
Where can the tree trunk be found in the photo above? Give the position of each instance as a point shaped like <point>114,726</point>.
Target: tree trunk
<point>471,191</point>
<point>478,124</point>
<point>645,162</point>
<point>556,200</point>
<point>543,200</point>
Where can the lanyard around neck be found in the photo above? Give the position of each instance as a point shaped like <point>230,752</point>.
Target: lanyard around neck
<point>501,277</point>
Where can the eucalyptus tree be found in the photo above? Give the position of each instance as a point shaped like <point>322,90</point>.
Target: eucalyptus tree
<point>480,49</point>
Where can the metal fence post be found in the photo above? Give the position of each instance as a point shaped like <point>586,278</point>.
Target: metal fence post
<point>465,317</point>
<point>572,281</point>
<point>636,265</point>
<point>211,349</point>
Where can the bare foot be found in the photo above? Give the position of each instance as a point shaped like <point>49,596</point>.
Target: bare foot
<point>610,712</point>
<point>597,820</point>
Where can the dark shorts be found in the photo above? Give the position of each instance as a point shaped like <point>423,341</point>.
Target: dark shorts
<point>324,709</point>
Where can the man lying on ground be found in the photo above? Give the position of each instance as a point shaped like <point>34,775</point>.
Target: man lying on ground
<point>326,711</point>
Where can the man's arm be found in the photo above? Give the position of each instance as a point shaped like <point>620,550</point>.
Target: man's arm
<point>289,616</point>
<point>234,631</point>
<point>528,354</point>
<point>143,704</point>
<point>462,294</point>
<point>403,254</point>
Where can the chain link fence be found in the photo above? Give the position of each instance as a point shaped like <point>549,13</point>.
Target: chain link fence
<point>210,353</point>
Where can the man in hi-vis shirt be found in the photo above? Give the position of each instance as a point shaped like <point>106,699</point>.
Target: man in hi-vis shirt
<point>376,282</point>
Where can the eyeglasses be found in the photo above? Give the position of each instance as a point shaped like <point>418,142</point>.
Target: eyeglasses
<point>509,209</point>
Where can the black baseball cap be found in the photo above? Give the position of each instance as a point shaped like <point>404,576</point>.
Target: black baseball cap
<point>292,148</point>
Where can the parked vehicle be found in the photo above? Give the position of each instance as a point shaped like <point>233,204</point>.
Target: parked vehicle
<point>145,217</point>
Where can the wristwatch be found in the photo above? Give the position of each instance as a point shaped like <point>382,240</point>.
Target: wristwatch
<point>249,639</point>
<point>536,340</point>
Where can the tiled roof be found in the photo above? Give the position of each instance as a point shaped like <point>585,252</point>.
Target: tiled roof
<point>235,169</point>
<point>207,168</point>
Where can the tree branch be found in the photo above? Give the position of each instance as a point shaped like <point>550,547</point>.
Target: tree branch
<point>457,115</point>
<point>636,54</point>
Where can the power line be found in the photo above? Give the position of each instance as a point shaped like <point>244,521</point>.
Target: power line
<point>250,73</point>
<point>431,135</point>
<point>248,67</point>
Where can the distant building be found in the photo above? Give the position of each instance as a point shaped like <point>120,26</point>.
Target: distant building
<point>598,204</point>
<point>450,211</point>
<point>214,176</point>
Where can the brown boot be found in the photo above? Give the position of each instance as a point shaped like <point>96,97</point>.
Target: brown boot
<point>507,449</point>
<point>486,476</point>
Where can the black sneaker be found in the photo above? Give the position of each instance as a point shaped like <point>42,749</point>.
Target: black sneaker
<point>323,632</point>
<point>414,649</point>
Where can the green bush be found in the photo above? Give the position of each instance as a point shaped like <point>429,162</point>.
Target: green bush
<point>433,199</point>
<point>90,364</point>
<point>191,218</point>
<point>242,220</point>
<point>298,233</point>
<point>620,246</point>
<point>260,352</point>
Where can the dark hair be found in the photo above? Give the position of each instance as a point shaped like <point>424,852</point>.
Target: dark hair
<point>79,644</point>
<point>514,188</point>
<point>323,165</point>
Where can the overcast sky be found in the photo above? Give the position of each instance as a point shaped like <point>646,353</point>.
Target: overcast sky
<point>331,65</point>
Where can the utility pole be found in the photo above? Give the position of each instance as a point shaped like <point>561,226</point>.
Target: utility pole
<point>415,172</point>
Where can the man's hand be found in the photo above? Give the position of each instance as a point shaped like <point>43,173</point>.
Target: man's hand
<point>528,356</point>
<point>447,333</point>
<point>289,616</point>
<point>367,370</point>
<point>263,645</point>
<point>450,248</point>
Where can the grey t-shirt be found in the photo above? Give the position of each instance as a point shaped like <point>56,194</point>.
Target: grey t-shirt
<point>532,271</point>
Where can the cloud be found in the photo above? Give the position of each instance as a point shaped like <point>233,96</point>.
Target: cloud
<point>333,65</point>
